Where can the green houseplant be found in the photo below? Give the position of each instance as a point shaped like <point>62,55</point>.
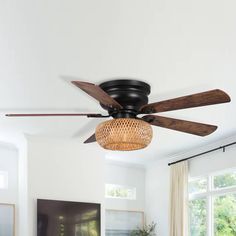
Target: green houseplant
<point>147,230</point>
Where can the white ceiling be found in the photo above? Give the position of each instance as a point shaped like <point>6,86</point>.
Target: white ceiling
<point>178,47</point>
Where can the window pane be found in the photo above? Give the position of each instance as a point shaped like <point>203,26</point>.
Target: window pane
<point>225,180</point>
<point>225,215</point>
<point>198,217</point>
<point>118,191</point>
<point>197,185</point>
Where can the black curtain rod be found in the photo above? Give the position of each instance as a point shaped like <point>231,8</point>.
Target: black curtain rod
<point>202,153</point>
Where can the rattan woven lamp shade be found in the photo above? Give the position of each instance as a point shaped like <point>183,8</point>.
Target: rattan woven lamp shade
<point>124,134</point>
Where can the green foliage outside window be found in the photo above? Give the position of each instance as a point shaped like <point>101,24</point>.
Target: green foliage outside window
<point>118,191</point>
<point>224,208</point>
<point>198,214</point>
<point>198,186</point>
<point>226,180</point>
<point>225,215</point>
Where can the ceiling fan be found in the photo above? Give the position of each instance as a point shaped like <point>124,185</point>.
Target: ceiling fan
<point>125,99</point>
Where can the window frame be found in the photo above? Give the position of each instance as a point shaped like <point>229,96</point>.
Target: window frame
<point>210,194</point>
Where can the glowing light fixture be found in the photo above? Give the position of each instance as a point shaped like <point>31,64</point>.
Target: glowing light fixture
<point>124,134</point>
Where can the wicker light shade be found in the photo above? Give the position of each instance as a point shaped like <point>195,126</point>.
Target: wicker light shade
<point>124,134</point>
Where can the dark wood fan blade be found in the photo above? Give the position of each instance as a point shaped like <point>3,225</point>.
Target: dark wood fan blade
<point>98,93</point>
<point>58,114</point>
<point>195,100</point>
<point>180,125</point>
<point>91,139</point>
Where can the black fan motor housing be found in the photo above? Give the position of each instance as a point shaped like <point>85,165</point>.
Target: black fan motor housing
<point>131,94</point>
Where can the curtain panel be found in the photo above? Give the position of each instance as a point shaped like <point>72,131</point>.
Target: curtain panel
<point>179,199</point>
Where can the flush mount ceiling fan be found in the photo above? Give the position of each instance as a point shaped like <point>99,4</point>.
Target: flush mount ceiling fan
<point>125,99</point>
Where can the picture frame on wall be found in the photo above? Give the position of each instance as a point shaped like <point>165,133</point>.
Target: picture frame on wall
<point>7,219</point>
<point>122,222</point>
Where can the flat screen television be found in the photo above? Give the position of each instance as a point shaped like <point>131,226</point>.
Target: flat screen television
<point>63,218</point>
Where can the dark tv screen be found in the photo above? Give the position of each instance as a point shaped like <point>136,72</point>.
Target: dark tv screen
<point>63,218</point>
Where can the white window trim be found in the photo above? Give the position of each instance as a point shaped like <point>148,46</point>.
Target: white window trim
<point>210,194</point>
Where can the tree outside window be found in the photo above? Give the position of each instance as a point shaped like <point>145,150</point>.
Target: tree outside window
<point>212,205</point>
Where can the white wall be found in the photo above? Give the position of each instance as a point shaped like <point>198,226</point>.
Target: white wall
<point>9,163</point>
<point>157,195</point>
<point>63,170</point>
<point>213,162</point>
<point>126,176</point>
<point>157,182</point>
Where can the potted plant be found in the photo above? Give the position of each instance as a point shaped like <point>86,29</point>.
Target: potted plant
<point>147,230</point>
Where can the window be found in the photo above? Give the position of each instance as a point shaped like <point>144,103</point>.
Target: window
<point>198,216</point>
<point>122,192</point>
<point>3,180</point>
<point>225,180</point>
<point>212,204</point>
<point>198,185</point>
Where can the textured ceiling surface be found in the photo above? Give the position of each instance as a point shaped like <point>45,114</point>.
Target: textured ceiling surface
<point>178,47</point>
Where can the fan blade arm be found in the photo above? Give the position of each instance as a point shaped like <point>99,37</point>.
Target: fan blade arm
<point>98,93</point>
<point>189,127</point>
<point>91,139</point>
<point>211,97</point>
<point>89,115</point>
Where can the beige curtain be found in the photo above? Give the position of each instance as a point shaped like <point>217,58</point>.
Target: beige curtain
<point>179,199</point>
